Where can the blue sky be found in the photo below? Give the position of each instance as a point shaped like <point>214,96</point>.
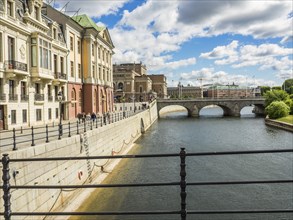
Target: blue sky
<point>222,41</point>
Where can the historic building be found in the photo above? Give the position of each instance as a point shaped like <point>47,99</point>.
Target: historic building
<point>231,91</point>
<point>52,66</point>
<point>28,85</point>
<point>131,83</point>
<point>184,92</point>
<point>97,51</point>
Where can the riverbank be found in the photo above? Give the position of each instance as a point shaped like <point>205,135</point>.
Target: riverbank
<point>279,124</point>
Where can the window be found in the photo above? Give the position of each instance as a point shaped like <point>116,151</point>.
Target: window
<point>13,116</point>
<point>71,69</point>
<point>99,52</point>
<point>11,46</point>
<point>1,51</point>
<point>24,116</point>
<point>120,85</point>
<point>45,54</point>
<point>34,52</point>
<point>94,74</point>
<point>49,113</point>
<point>61,64</point>
<point>23,88</point>
<point>79,70</point>
<point>71,43</point>
<point>55,63</point>
<point>56,112</point>
<point>36,13</point>
<point>55,33</point>
<point>93,50</point>
<point>49,90</point>
<point>11,87</point>
<point>73,98</point>
<point>80,97</point>
<point>100,73</point>
<point>10,8</point>
<point>78,46</point>
<point>39,114</point>
<point>56,92</point>
<point>38,88</point>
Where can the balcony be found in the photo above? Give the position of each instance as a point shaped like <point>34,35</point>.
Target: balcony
<point>60,76</point>
<point>24,98</point>
<point>2,97</point>
<point>15,65</point>
<point>13,97</point>
<point>39,97</point>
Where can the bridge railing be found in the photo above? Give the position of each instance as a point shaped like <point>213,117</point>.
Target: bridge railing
<point>183,184</point>
<point>213,98</point>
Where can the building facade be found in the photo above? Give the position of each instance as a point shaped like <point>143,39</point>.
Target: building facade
<point>184,92</point>
<point>231,91</point>
<point>131,83</point>
<point>51,66</point>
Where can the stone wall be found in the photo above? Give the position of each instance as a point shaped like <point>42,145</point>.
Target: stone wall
<point>278,124</point>
<point>115,138</point>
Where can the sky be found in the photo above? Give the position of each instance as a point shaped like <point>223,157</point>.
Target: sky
<point>245,42</point>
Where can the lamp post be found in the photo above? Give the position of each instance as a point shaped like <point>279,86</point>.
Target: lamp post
<point>123,105</point>
<point>59,96</point>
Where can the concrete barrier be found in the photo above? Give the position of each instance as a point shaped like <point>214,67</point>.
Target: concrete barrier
<point>278,124</point>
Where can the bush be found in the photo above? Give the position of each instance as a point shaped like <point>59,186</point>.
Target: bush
<point>277,109</point>
<point>289,102</point>
<point>275,95</point>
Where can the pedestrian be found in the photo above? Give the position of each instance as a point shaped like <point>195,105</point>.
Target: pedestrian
<point>79,116</point>
<point>83,117</point>
<point>93,116</point>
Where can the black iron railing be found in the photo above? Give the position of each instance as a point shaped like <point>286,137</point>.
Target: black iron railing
<point>13,97</point>
<point>24,97</point>
<point>15,65</point>
<point>42,134</point>
<point>183,212</point>
<point>58,75</point>
<point>3,97</point>
<point>39,97</point>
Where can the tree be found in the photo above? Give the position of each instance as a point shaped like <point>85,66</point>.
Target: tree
<point>277,109</point>
<point>289,102</point>
<point>264,89</point>
<point>275,95</point>
<point>288,85</point>
<point>276,88</point>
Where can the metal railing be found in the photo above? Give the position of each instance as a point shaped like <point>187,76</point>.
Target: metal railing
<point>59,75</point>
<point>3,97</point>
<point>15,65</point>
<point>13,97</point>
<point>39,97</point>
<point>44,134</point>
<point>183,212</point>
<point>24,97</point>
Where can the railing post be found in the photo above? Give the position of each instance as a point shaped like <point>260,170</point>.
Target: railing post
<point>59,131</point>
<point>77,127</point>
<point>69,135</point>
<point>183,183</point>
<point>6,186</point>
<point>14,140</point>
<point>91,124</point>
<point>84,126</point>
<point>47,134</point>
<point>33,140</point>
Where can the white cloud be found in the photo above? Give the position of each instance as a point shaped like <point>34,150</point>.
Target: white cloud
<point>89,7</point>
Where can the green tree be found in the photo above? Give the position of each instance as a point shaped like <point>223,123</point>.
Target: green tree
<point>264,89</point>
<point>288,86</point>
<point>289,102</point>
<point>275,95</point>
<point>277,109</point>
<point>276,88</point>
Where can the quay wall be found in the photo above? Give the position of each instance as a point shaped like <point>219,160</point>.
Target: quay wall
<point>278,124</point>
<point>115,138</point>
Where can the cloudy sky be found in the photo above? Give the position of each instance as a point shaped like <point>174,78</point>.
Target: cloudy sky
<point>246,42</point>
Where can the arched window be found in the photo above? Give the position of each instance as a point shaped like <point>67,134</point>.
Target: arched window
<point>120,85</point>
<point>73,97</point>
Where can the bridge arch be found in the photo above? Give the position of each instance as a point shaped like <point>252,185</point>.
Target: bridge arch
<point>172,108</point>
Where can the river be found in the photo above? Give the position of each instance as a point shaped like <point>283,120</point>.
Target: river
<point>210,132</point>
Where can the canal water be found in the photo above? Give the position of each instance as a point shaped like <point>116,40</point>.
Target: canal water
<point>210,132</point>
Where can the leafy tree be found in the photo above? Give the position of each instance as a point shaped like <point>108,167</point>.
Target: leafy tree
<point>264,89</point>
<point>288,85</point>
<point>289,102</point>
<point>275,95</point>
<point>276,88</point>
<point>277,109</point>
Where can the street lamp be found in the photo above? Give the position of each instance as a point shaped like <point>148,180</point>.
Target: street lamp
<point>123,99</point>
<point>59,97</point>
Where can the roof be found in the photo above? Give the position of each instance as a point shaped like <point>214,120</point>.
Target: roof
<point>87,22</point>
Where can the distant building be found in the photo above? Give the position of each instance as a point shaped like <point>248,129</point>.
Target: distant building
<point>184,92</point>
<point>231,91</point>
<point>131,83</point>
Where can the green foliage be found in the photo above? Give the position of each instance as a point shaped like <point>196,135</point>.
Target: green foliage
<point>277,109</point>
<point>289,102</point>
<point>288,86</point>
<point>275,95</point>
<point>276,88</point>
<point>264,89</point>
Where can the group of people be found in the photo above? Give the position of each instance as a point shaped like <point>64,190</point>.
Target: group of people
<point>83,117</point>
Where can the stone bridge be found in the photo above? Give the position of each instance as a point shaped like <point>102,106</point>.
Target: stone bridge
<point>230,106</point>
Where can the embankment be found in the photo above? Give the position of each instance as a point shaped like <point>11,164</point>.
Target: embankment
<point>115,138</point>
<point>278,124</point>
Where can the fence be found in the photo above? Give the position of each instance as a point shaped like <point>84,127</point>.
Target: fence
<point>183,212</point>
<point>33,135</point>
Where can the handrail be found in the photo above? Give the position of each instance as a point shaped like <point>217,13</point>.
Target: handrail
<point>183,184</point>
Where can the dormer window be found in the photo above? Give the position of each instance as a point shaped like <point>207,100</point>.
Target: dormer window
<point>55,33</point>
<point>36,13</point>
<point>10,9</point>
